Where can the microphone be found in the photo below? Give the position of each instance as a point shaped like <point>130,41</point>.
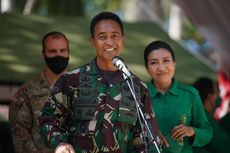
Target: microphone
<point>119,63</point>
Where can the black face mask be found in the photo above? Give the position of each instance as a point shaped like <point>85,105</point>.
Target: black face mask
<point>57,64</point>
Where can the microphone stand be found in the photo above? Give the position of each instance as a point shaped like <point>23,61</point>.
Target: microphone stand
<point>141,117</point>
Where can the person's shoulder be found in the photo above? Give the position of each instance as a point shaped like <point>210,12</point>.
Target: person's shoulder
<point>31,83</point>
<point>72,76</point>
<point>187,88</point>
<point>140,82</point>
<point>25,89</point>
<point>77,70</point>
<point>144,84</point>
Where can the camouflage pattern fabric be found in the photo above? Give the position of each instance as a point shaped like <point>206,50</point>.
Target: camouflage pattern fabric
<point>93,114</point>
<point>24,109</point>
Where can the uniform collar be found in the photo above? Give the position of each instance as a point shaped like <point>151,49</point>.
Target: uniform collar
<point>93,69</point>
<point>153,91</point>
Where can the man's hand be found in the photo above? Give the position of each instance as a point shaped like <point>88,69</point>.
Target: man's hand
<point>64,148</point>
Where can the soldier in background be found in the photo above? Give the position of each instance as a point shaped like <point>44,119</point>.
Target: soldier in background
<point>30,97</point>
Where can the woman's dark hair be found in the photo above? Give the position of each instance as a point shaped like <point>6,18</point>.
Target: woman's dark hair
<point>157,45</point>
<point>105,16</point>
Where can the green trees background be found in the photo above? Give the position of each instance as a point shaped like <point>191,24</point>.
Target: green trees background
<point>23,27</point>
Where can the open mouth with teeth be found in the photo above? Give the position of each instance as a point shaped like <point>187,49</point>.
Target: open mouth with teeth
<point>111,52</point>
<point>110,49</point>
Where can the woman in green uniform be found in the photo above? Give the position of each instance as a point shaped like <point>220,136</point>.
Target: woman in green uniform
<point>178,107</point>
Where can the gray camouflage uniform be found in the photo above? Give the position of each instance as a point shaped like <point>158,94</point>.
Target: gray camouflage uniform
<point>24,108</point>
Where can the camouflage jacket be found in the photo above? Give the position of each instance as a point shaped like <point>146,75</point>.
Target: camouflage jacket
<point>94,114</point>
<point>23,111</point>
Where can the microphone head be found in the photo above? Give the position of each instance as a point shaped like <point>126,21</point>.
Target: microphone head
<point>115,59</point>
<point>119,63</point>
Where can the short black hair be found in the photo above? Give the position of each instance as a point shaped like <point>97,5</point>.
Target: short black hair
<point>54,34</point>
<point>205,86</point>
<point>157,45</point>
<point>105,16</point>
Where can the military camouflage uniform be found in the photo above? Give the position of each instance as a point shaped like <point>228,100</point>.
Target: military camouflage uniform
<point>24,108</point>
<point>94,114</point>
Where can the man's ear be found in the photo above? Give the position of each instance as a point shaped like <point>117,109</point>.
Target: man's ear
<point>92,42</point>
<point>43,54</point>
<point>123,39</point>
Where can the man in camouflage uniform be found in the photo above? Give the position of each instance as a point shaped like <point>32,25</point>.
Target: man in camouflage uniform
<point>91,109</point>
<point>31,97</point>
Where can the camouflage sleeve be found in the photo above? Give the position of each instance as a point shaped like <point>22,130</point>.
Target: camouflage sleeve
<point>150,116</point>
<point>155,145</point>
<point>148,110</point>
<point>20,116</point>
<point>52,118</point>
<point>151,121</point>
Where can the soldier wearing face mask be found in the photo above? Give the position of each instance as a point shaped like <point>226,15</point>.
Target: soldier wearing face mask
<point>31,96</point>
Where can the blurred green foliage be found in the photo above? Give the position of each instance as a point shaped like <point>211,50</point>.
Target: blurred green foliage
<point>20,47</point>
